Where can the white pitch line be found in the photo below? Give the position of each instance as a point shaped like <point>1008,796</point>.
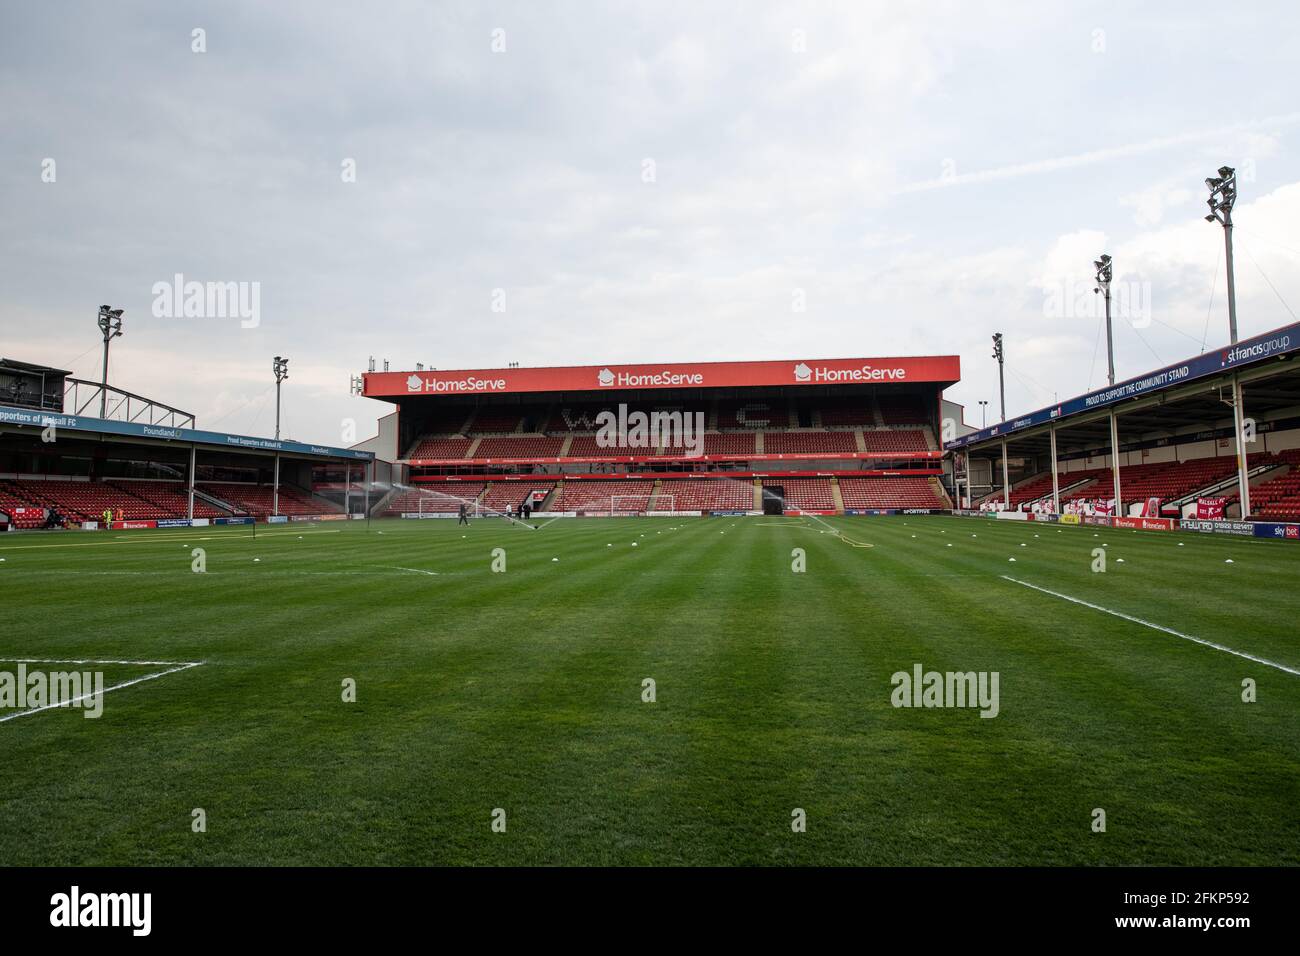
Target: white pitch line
<point>412,570</point>
<point>76,700</point>
<point>1158,627</point>
<point>70,660</point>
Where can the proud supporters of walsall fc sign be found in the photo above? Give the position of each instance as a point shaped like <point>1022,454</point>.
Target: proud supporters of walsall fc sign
<point>941,369</point>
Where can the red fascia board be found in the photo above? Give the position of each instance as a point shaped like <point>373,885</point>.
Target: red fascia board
<point>610,379</point>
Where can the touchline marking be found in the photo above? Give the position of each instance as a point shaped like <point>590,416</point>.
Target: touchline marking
<point>1158,627</point>
<point>413,570</point>
<point>126,683</point>
<point>73,660</point>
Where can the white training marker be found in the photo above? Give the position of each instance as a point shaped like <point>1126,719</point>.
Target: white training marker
<point>1012,560</point>
<point>1229,561</point>
<point>1180,544</point>
<point>257,560</point>
<point>554,559</point>
<point>950,546</point>
<point>1119,560</point>
<point>634,544</point>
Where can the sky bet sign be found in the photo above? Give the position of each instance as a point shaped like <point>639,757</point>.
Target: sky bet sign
<point>1269,345</point>
<point>939,369</point>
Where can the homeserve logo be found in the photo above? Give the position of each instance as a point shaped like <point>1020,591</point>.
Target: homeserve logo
<point>665,379</point>
<point>805,373</point>
<point>414,383</point>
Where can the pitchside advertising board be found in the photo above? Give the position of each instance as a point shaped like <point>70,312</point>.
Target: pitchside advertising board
<point>595,378</point>
<point>1277,531</point>
<point>1269,345</point>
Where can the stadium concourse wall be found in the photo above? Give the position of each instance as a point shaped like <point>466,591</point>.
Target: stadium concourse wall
<point>1276,530</point>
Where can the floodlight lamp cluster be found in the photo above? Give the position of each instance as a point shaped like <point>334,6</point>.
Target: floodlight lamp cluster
<point>110,321</point>
<point>1223,193</point>
<point>1103,267</point>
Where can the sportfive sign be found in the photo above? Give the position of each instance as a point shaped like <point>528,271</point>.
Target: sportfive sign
<point>942,369</point>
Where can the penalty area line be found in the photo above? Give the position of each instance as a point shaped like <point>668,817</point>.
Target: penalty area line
<point>1156,627</point>
<point>126,683</point>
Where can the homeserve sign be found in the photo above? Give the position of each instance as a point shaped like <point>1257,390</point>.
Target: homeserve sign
<point>805,373</point>
<point>417,383</point>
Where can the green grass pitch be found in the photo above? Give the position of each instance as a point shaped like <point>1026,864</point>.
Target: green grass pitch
<point>522,691</point>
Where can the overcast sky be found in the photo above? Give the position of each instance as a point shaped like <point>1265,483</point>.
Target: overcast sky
<point>643,181</point>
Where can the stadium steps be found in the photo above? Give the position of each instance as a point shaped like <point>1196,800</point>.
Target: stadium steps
<point>377,508</point>
<point>859,439</point>
<point>474,443</point>
<point>836,496</point>
<point>758,494</point>
<point>876,415</point>
<point>549,500</point>
<point>1227,487</point>
<point>941,492</point>
<point>218,503</point>
<point>568,441</point>
<point>758,443</point>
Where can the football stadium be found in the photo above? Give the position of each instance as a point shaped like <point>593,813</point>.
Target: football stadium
<point>791,439</point>
<point>711,620</point>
